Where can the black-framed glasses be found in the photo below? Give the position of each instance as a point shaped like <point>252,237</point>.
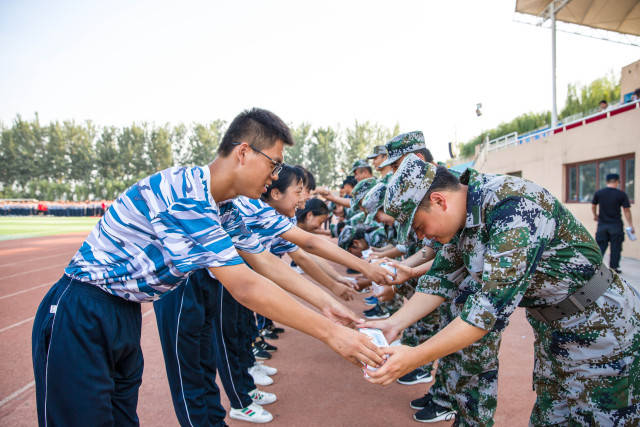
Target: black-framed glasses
<point>277,166</point>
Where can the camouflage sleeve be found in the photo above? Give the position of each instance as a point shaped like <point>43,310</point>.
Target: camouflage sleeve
<point>517,232</point>
<point>446,272</point>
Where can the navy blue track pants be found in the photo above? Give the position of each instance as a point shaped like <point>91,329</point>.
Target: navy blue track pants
<point>87,360</point>
<point>200,333</point>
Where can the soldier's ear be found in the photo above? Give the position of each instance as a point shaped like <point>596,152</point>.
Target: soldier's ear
<point>438,199</point>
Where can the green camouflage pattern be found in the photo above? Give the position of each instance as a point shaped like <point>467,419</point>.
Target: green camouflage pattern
<point>374,199</point>
<point>377,150</point>
<point>346,237</point>
<point>403,144</point>
<point>406,190</point>
<point>360,191</point>
<point>377,237</point>
<point>385,179</point>
<point>356,219</point>
<point>360,163</point>
<point>526,249</point>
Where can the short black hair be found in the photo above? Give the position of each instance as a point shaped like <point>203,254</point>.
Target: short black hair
<point>309,181</point>
<point>257,127</point>
<point>316,206</point>
<point>604,101</point>
<point>426,153</point>
<point>613,177</point>
<point>350,180</point>
<point>289,175</point>
<point>443,181</point>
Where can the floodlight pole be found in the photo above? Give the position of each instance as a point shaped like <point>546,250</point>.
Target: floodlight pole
<point>554,110</point>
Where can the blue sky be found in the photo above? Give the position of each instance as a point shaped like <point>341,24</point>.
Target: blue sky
<point>422,64</point>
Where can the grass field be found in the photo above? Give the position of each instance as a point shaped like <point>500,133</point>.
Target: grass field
<point>19,227</point>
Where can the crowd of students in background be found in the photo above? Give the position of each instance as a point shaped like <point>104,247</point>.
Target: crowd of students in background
<point>53,208</point>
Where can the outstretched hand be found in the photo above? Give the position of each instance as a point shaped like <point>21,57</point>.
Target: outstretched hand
<point>355,347</point>
<point>390,331</point>
<point>401,360</point>
<point>340,314</point>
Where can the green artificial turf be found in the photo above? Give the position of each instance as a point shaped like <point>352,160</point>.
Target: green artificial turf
<point>19,227</point>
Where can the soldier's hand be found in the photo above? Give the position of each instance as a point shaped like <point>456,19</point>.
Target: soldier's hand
<point>379,274</point>
<point>403,272</point>
<point>388,328</point>
<point>401,360</point>
<point>355,347</point>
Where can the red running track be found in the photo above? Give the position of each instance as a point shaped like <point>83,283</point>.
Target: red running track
<point>315,387</point>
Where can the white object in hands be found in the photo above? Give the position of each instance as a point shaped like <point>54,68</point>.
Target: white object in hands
<point>378,339</point>
<point>366,253</point>
<point>631,234</point>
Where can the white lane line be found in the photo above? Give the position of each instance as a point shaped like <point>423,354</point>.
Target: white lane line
<point>6,328</point>
<point>33,259</point>
<point>16,393</point>
<point>30,271</point>
<point>25,290</point>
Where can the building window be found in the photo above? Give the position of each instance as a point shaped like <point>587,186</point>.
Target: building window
<point>584,178</point>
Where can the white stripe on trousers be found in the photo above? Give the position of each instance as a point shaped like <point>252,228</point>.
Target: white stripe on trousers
<point>224,346</point>
<point>46,364</point>
<point>178,358</point>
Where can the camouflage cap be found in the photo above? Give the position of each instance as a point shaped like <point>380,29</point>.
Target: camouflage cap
<point>377,150</point>
<point>347,236</point>
<point>361,190</point>
<point>374,199</point>
<point>360,163</point>
<point>403,144</point>
<point>406,190</point>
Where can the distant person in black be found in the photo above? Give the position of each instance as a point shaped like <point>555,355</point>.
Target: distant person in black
<point>609,219</point>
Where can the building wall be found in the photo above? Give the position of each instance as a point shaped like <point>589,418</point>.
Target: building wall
<point>543,162</point>
<point>629,78</point>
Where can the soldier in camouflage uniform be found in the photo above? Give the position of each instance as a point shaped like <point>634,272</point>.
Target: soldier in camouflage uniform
<point>378,156</point>
<point>524,248</point>
<point>361,170</point>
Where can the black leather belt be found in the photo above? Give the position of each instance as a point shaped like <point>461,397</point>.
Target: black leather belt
<point>578,300</point>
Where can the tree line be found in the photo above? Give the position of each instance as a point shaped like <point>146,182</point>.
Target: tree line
<point>83,161</point>
<point>580,99</point>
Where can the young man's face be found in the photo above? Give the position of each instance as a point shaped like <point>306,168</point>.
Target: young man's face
<point>441,222</point>
<point>258,169</point>
<point>361,173</point>
<point>357,246</point>
<point>347,189</point>
<point>379,159</point>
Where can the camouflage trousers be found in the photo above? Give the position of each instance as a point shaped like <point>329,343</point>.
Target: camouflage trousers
<point>467,380</point>
<point>587,365</point>
<point>424,328</point>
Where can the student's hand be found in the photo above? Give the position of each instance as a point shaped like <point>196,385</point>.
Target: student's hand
<point>362,283</point>
<point>403,272</point>
<point>345,292</point>
<point>378,274</point>
<point>390,331</point>
<point>595,218</point>
<point>402,359</point>
<point>387,294</point>
<point>355,347</point>
<point>346,281</point>
<point>323,191</point>
<point>340,314</point>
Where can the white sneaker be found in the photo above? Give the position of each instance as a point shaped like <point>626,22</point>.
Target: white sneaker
<point>262,397</point>
<point>260,378</point>
<point>267,370</point>
<point>253,413</point>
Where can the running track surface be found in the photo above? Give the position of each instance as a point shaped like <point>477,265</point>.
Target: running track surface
<point>315,387</point>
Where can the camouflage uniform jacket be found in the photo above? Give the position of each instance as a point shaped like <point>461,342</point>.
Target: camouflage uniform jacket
<point>520,243</point>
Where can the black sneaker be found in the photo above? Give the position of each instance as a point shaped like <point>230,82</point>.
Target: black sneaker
<point>376,312</point>
<point>617,270</point>
<point>262,344</point>
<point>276,330</point>
<point>261,354</point>
<point>416,376</point>
<point>433,413</point>
<point>421,402</point>
<point>266,333</point>
<point>352,271</point>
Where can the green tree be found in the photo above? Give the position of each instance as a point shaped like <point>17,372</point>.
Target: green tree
<point>160,150</point>
<point>323,156</point>
<point>361,139</point>
<point>204,142</point>
<point>297,155</point>
<point>585,99</point>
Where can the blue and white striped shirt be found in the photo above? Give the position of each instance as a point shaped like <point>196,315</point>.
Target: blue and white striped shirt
<point>267,224</point>
<point>157,232</point>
